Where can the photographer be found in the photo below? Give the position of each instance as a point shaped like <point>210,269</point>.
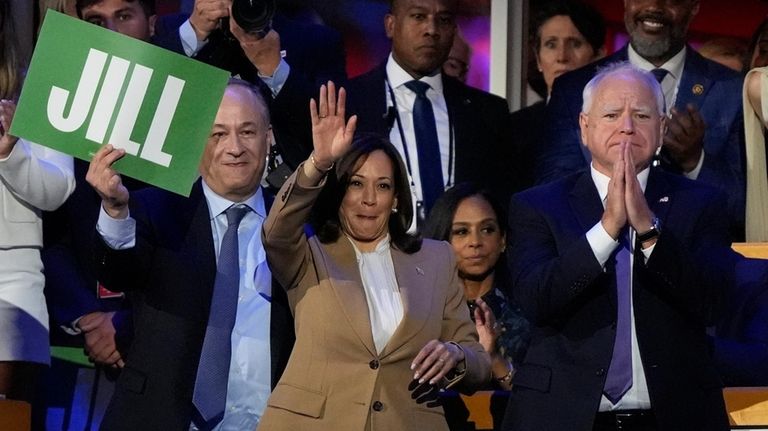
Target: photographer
<point>288,60</point>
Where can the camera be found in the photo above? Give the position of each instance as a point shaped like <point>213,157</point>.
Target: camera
<point>254,16</point>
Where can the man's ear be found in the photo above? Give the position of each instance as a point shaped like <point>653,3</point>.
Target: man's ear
<point>583,125</point>
<point>152,20</point>
<point>389,24</point>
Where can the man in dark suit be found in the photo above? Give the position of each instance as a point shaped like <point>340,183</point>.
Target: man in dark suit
<point>619,269</point>
<point>470,124</point>
<point>170,251</point>
<point>704,138</point>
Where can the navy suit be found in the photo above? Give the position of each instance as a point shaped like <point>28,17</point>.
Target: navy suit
<point>480,125</point>
<point>171,271</point>
<point>571,302</point>
<point>714,89</point>
<point>741,339</point>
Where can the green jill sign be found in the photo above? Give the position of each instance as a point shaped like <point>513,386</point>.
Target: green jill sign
<point>88,86</point>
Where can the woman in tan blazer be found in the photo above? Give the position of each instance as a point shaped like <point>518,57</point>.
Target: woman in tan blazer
<point>380,317</point>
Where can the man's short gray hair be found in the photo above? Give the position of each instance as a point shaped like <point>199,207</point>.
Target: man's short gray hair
<point>263,105</point>
<point>625,69</point>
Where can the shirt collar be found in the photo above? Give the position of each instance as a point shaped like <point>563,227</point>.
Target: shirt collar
<point>601,180</point>
<point>674,65</point>
<point>397,76</point>
<point>218,204</point>
<point>381,247</point>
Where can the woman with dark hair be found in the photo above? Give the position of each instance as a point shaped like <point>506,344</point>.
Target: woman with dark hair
<point>564,35</point>
<point>380,318</point>
<point>472,221</point>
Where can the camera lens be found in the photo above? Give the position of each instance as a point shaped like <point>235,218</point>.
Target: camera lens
<point>253,16</point>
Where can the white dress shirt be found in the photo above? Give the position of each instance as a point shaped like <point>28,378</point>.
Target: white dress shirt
<point>385,306</point>
<point>603,246</point>
<point>249,383</point>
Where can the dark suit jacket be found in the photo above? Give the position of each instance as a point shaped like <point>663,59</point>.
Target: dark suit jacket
<point>571,302</point>
<point>527,127</point>
<point>70,273</point>
<point>741,337</point>
<point>172,270</point>
<point>480,123</point>
<point>714,89</point>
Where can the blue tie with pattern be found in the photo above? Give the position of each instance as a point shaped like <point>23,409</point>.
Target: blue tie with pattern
<point>210,395</point>
<point>619,378</point>
<point>430,166</point>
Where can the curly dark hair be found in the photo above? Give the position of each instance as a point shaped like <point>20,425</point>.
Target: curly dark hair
<point>325,213</point>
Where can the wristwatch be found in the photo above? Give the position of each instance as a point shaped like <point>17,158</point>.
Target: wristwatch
<point>651,233</point>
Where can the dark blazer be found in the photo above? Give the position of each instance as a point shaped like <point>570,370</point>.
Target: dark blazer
<point>171,270</point>
<point>527,126</point>
<point>741,336</point>
<point>480,123</point>
<point>571,303</point>
<point>70,273</point>
<point>714,89</point>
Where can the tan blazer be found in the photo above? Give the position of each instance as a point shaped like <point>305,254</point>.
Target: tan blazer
<point>335,380</point>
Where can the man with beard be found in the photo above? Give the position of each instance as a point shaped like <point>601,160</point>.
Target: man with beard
<point>704,140</point>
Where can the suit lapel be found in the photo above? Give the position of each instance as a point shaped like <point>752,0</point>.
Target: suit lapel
<point>200,240</point>
<point>460,115</point>
<point>414,279</point>
<point>657,194</point>
<point>585,201</point>
<point>694,84</point>
<point>348,287</point>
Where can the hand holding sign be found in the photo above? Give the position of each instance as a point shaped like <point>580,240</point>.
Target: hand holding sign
<point>107,182</point>
<point>7,141</point>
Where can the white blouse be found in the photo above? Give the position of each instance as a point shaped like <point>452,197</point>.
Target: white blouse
<point>385,307</point>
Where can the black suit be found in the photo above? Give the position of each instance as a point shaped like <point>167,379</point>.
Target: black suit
<point>480,125</point>
<point>571,301</point>
<point>171,270</point>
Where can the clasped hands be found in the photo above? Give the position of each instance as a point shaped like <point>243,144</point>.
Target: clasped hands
<point>684,138</point>
<point>625,203</point>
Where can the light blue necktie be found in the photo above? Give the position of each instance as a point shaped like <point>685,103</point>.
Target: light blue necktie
<point>210,395</point>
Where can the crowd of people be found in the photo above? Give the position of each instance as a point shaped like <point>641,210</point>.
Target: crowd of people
<point>357,251</point>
